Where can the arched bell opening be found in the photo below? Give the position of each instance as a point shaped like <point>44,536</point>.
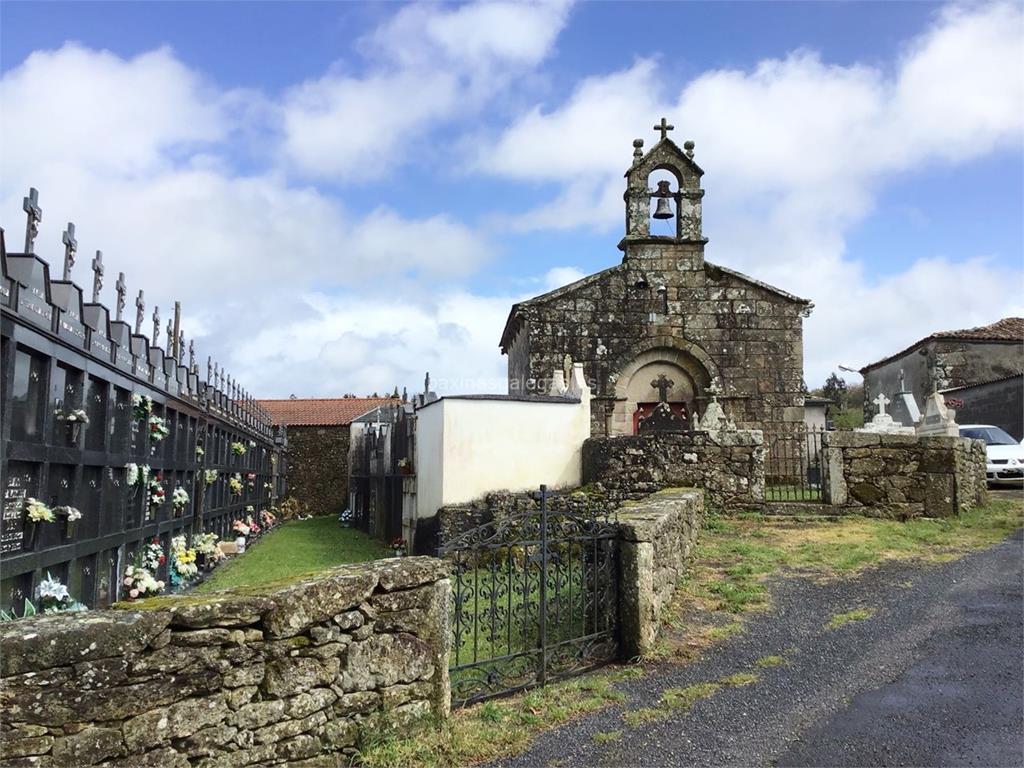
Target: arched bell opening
<point>663,187</point>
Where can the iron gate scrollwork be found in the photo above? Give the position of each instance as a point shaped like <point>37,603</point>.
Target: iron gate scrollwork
<point>535,600</point>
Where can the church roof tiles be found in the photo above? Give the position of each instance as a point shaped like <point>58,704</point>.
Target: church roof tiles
<point>1009,329</point>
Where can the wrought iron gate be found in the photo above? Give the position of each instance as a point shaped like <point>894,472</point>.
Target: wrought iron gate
<point>795,466</point>
<point>535,600</point>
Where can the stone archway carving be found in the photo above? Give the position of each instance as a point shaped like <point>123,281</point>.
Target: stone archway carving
<point>683,362</point>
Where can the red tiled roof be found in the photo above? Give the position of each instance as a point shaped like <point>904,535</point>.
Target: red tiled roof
<point>321,411</point>
<point>1008,329</point>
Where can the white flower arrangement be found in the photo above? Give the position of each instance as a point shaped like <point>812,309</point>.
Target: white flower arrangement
<point>153,556</point>
<point>142,405</point>
<point>268,486</point>
<point>200,452</point>
<point>71,513</point>
<point>206,544</point>
<point>250,509</point>
<point>252,443</point>
<point>131,474</point>
<point>76,417</point>
<point>53,596</point>
<point>238,449</point>
<point>156,492</point>
<point>210,476</point>
<point>38,512</point>
<point>235,484</point>
<point>179,499</point>
<point>158,429</point>
<point>140,582</point>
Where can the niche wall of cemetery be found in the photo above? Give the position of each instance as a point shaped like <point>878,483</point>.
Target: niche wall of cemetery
<point>104,420</point>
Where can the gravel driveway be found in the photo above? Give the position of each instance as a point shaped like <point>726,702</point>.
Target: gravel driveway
<point>933,678</point>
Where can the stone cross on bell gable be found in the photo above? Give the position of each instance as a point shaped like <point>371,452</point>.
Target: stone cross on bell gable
<point>97,277</point>
<point>140,311</point>
<point>881,401</point>
<point>30,205</point>
<point>70,249</point>
<point>663,384</point>
<point>156,327</point>
<point>664,127</point>
<point>121,289</point>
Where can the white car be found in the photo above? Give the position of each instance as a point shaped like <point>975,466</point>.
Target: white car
<point>1005,455</point>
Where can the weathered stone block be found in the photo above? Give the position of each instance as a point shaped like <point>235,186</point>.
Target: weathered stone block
<point>88,747</point>
<point>40,642</point>
<point>286,677</point>
<point>317,600</point>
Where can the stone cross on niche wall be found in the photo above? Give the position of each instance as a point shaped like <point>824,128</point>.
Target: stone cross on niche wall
<point>881,401</point>
<point>70,249</point>
<point>97,277</point>
<point>156,327</point>
<point>122,288</point>
<point>30,205</point>
<point>664,128</point>
<point>663,384</point>
<point>140,311</point>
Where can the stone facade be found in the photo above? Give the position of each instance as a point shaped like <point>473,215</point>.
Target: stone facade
<point>318,467</point>
<point>665,310</point>
<point>728,466</point>
<point>658,535</point>
<point>904,476</point>
<point>292,675</point>
<point>949,360</point>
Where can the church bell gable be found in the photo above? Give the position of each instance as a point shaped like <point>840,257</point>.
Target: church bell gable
<point>677,199</point>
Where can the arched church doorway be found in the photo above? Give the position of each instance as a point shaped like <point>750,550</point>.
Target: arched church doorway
<point>658,376</point>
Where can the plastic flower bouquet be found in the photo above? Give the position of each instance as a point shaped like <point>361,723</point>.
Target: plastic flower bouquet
<point>153,556</point>
<point>179,499</point>
<point>139,582</point>
<point>238,449</point>
<point>235,484</point>
<point>210,476</point>
<point>37,512</point>
<point>53,597</point>
<point>240,528</point>
<point>142,406</point>
<point>157,429</point>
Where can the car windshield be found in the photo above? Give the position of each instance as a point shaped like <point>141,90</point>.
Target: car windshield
<point>991,435</point>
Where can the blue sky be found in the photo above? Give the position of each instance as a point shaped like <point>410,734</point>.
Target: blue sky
<point>346,194</point>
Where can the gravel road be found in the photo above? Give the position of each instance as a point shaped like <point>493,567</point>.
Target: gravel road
<point>933,678</point>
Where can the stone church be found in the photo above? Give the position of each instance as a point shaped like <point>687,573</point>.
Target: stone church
<point>666,325</point>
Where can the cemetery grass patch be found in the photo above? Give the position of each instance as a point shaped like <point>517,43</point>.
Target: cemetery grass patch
<point>738,553</point>
<point>496,729</point>
<point>841,619</point>
<point>295,548</point>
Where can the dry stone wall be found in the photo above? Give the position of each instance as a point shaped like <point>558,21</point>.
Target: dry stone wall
<point>657,536</point>
<point>291,675</point>
<point>318,468</point>
<point>905,476</point>
<point>728,465</point>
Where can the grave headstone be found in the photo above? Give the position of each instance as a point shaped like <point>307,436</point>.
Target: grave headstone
<point>33,276</point>
<point>938,419</point>
<point>67,298</point>
<point>882,422</point>
<point>97,318</point>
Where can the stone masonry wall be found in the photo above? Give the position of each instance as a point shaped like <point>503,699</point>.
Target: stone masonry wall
<point>729,466</point>
<point>291,675</point>
<point>318,468</point>
<point>905,476</point>
<point>657,536</point>
<point>747,336</point>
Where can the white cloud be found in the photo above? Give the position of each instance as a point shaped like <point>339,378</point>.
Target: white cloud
<point>428,64</point>
<point>795,152</point>
<point>556,277</point>
<point>375,340</point>
<point>160,196</point>
<point>94,111</point>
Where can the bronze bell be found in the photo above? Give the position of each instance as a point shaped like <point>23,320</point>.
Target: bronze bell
<point>663,209</point>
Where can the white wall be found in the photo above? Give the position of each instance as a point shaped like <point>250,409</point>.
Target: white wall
<point>466,448</point>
